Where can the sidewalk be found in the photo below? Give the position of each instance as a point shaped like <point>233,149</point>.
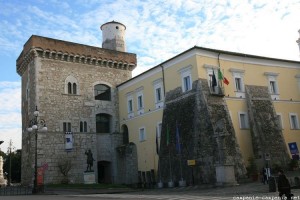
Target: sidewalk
<point>246,188</point>
<point>68,191</point>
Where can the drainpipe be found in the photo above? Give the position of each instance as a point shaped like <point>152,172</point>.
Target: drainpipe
<point>163,77</point>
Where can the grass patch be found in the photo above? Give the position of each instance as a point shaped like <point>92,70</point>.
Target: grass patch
<point>86,186</point>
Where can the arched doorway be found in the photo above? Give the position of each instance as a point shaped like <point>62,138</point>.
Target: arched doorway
<point>104,172</point>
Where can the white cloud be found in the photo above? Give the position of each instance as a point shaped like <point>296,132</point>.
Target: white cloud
<point>10,114</point>
<point>156,29</point>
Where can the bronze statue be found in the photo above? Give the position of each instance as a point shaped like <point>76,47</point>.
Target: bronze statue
<point>89,160</point>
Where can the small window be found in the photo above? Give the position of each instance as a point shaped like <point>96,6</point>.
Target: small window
<point>69,88</point>
<point>85,126</point>
<point>158,94</point>
<point>142,134</point>
<point>140,102</point>
<point>102,92</point>
<point>273,84</point>
<point>294,121</point>
<point>103,123</point>
<point>187,83</point>
<point>238,77</point>
<point>273,87</point>
<point>130,107</point>
<point>66,126</point>
<point>238,84</point>
<point>74,88</point>
<point>243,118</point>
<point>186,78</point>
<point>71,85</point>
<point>130,112</point>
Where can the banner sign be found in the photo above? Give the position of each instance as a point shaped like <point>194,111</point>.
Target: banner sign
<point>68,141</point>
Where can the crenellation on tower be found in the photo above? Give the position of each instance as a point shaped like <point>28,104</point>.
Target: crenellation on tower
<point>73,52</point>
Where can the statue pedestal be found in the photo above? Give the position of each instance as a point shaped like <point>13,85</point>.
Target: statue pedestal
<point>225,175</point>
<point>89,177</point>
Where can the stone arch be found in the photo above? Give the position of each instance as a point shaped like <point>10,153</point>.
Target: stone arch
<point>102,91</point>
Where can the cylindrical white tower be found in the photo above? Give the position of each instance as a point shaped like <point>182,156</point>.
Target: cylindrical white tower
<point>113,36</point>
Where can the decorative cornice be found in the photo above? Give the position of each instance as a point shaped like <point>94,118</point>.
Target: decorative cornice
<point>271,74</point>
<point>22,62</point>
<point>237,70</point>
<point>48,48</point>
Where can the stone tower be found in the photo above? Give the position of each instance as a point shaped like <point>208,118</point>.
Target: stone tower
<point>113,36</point>
<point>74,88</point>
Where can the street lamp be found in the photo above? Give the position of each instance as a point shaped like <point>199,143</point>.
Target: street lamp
<point>34,126</point>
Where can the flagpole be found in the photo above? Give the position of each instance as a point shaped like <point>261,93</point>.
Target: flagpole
<point>170,166</point>
<point>180,166</point>
<point>159,184</point>
<point>182,183</point>
<point>170,183</point>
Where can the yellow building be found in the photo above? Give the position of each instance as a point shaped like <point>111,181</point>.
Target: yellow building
<point>142,101</point>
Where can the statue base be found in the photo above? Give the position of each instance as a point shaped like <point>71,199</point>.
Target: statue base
<point>160,185</point>
<point>225,175</point>
<point>89,177</point>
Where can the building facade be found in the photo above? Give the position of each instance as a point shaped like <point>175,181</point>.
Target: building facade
<point>180,120</point>
<point>220,126</point>
<point>74,89</point>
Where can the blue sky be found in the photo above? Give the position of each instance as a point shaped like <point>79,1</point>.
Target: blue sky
<point>156,31</point>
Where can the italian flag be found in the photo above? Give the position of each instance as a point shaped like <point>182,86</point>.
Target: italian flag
<point>221,77</point>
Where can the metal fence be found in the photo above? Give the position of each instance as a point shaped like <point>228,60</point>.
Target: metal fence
<point>15,190</point>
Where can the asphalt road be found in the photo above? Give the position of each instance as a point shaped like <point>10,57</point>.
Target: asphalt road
<point>249,191</point>
<point>142,197</point>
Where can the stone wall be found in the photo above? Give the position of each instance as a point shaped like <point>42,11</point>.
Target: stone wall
<point>197,114</point>
<point>266,133</point>
<point>44,73</point>
<point>127,165</point>
<point>51,152</point>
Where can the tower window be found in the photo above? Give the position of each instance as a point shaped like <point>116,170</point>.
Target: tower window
<point>66,127</point>
<point>69,88</point>
<point>102,123</point>
<point>102,92</point>
<point>71,85</point>
<point>74,88</point>
<point>83,126</point>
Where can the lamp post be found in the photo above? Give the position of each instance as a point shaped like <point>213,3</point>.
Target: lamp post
<point>34,126</point>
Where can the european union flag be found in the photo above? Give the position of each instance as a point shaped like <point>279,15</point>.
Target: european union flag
<point>293,148</point>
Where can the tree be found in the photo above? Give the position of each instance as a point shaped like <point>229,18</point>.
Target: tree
<point>15,165</point>
<point>64,166</point>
